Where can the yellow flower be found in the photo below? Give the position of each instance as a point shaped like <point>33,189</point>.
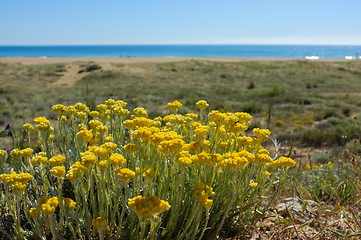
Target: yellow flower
<point>267,174</point>
<point>58,171</point>
<point>185,161</point>
<point>34,212</point>
<point>71,111</point>
<point>131,148</point>
<point>175,106</point>
<point>143,122</point>
<point>207,203</point>
<point>49,205</point>
<point>15,153</point>
<point>236,160</point>
<point>148,173</point>
<point>69,203</point>
<point>283,162</point>
<point>28,127</point>
<point>330,164</point>
<point>202,191</point>
<point>88,158</point>
<point>57,160</point>
<point>75,171</point>
<point>261,134</point>
<point>191,116</point>
<point>99,223</point>
<point>223,145</point>
<point>205,158</point>
<point>109,102</point>
<point>94,114</point>
<point>2,153</point>
<point>148,206</point>
<point>18,187</point>
<point>253,185</point>
<point>109,138</point>
<point>171,147</point>
<point>117,160</point>
<point>129,124</point>
<point>59,109</point>
<point>263,158</point>
<point>102,164</point>
<point>39,160</point>
<point>201,131</point>
<point>51,137</point>
<point>85,135</point>
<point>125,174</point>
<point>140,112</point>
<point>202,104</point>
<point>42,123</point>
<point>26,152</point>
<point>102,108</point>
<point>80,107</point>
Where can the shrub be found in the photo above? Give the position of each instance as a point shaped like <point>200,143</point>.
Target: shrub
<point>171,177</point>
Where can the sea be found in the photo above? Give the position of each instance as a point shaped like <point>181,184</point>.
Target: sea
<point>172,51</point>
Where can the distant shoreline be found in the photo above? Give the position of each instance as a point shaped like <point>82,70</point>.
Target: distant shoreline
<point>49,60</point>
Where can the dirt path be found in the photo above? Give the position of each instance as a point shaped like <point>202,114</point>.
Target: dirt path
<point>70,77</point>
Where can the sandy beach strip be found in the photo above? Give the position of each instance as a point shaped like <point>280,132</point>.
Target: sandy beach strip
<point>50,60</point>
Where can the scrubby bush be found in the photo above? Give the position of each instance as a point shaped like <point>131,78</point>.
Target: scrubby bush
<point>100,172</point>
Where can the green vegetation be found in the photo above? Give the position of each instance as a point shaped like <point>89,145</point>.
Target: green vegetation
<point>314,99</point>
<point>311,108</point>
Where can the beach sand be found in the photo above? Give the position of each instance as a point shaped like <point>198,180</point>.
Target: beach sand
<point>141,60</point>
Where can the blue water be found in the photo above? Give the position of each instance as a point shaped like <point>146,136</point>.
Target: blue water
<point>247,51</point>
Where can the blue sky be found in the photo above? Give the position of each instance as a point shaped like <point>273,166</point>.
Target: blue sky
<point>79,22</point>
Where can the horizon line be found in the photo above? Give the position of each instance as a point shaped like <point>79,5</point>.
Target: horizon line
<point>177,44</point>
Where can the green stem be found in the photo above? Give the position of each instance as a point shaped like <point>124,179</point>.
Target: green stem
<point>205,224</point>
<point>52,224</point>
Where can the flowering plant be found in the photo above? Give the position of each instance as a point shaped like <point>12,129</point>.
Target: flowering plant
<point>177,176</point>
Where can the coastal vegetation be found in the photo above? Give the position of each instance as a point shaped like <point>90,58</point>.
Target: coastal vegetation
<point>130,162</point>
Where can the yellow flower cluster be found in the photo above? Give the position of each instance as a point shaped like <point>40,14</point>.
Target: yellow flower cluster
<point>185,158</point>
<point>201,131</point>
<point>85,135</point>
<point>261,134</point>
<point>172,146</point>
<point>75,171</point>
<point>39,160</point>
<point>58,171</point>
<point>205,158</point>
<point>148,173</point>
<point>202,192</point>
<point>88,158</point>
<point>20,153</point>
<point>59,109</point>
<point>282,162</point>
<point>263,156</point>
<point>117,160</point>
<point>236,160</point>
<point>69,203</point>
<point>125,174</point>
<point>139,112</point>
<point>175,106</point>
<point>148,207</point>
<point>253,185</point>
<point>57,160</point>
<point>42,124</point>
<point>16,181</point>
<point>34,212</point>
<point>48,204</point>
<point>202,104</point>
<point>28,127</point>
<point>99,223</point>
<point>131,148</point>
